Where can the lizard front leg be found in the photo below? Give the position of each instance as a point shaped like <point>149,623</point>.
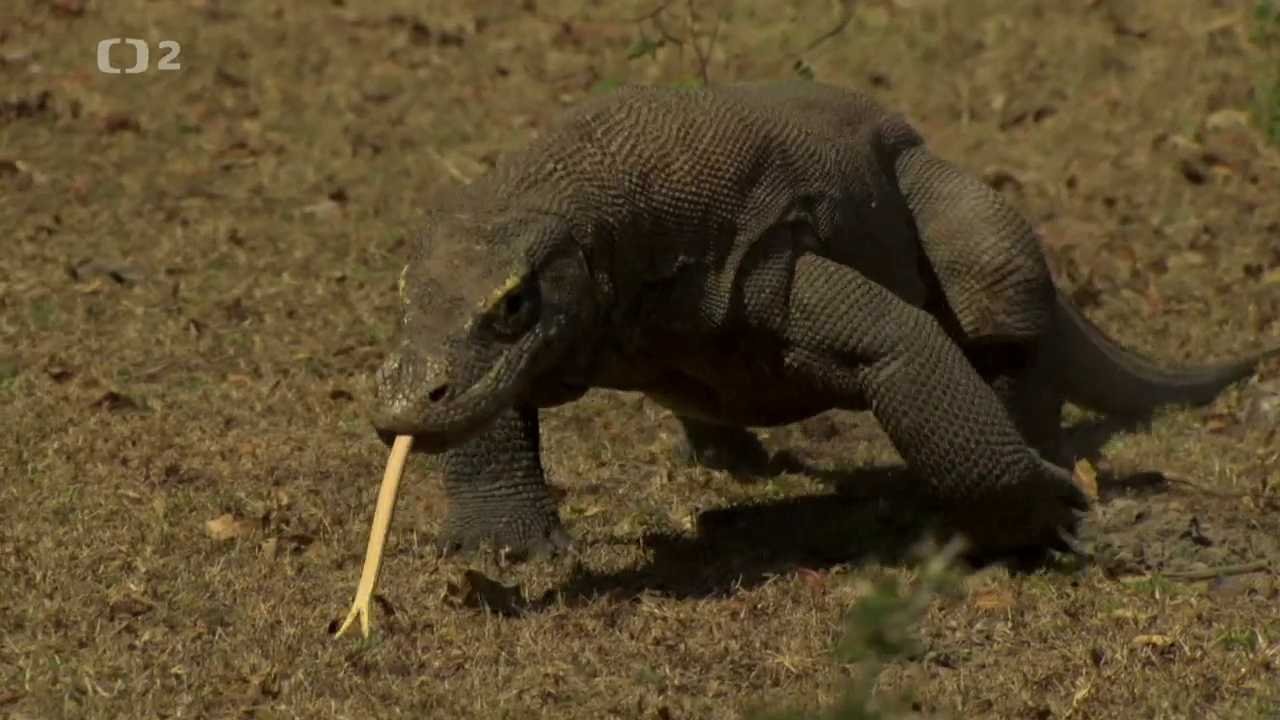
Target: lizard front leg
<point>497,491</point>
<point>853,339</point>
<point>1022,375</point>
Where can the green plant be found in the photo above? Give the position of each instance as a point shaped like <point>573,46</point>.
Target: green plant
<point>1266,35</point>
<point>881,627</point>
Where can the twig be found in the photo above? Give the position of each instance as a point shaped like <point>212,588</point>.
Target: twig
<point>1224,571</point>
<point>661,8</point>
<point>846,16</point>
<point>703,58</point>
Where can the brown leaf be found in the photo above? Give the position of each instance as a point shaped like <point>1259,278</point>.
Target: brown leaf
<point>479,592</point>
<point>816,581</point>
<point>1217,422</point>
<point>68,8</point>
<point>270,548</point>
<point>119,122</point>
<point>129,607</point>
<point>1086,478</point>
<point>58,372</point>
<point>228,527</point>
<point>326,209</point>
<point>998,600</point>
<point>112,401</point>
<point>1157,641</point>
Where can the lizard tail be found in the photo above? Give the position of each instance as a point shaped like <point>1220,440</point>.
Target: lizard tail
<point>1101,375</point>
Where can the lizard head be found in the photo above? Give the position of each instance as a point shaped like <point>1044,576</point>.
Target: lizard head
<point>488,304</point>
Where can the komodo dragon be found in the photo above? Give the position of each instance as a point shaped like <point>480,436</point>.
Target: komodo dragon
<point>751,255</point>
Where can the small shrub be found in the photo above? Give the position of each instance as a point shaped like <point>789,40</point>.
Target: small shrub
<point>879,628</point>
<point>1266,35</point>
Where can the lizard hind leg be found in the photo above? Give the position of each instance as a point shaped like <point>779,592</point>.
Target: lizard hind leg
<point>855,341</point>
<point>1024,381</point>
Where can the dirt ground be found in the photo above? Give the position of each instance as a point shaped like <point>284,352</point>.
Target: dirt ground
<point>199,272</point>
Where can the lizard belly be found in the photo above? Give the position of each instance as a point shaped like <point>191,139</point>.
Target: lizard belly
<point>733,384</point>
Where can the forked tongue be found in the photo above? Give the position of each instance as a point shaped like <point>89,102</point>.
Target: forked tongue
<point>360,607</point>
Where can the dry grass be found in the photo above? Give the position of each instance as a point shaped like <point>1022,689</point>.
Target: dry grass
<point>199,270</point>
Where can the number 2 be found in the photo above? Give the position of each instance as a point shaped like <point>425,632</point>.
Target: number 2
<point>170,60</point>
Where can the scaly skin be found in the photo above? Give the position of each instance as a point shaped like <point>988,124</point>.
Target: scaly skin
<point>750,255</point>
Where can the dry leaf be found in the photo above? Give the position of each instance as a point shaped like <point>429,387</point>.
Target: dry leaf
<point>270,548</point>
<point>815,580</point>
<point>1227,118</point>
<point>113,401</point>
<point>129,607</point>
<point>1158,641</point>
<point>997,600</point>
<point>1086,478</point>
<point>581,511</point>
<point>479,592</point>
<point>326,209</point>
<point>228,527</point>
<point>1217,422</point>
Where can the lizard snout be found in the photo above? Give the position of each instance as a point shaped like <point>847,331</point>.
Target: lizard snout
<point>404,391</point>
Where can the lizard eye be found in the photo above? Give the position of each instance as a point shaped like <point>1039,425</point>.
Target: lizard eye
<point>517,311</point>
<point>512,304</point>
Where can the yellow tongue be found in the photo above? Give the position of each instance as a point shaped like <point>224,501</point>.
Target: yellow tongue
<point>378,535</point>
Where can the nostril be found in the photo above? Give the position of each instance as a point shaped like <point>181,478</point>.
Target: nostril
<point>439,393</point>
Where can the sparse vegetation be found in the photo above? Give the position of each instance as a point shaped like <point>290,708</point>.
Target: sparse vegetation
<point>882,627</point>
<point>199,272</point>
<point>1266,34</point>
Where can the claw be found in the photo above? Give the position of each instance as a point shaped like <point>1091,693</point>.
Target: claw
<point>549,542</point>
<point>1073,543</point>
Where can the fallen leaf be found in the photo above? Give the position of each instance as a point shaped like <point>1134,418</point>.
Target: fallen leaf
<point>1227,118</point>
<point>324,210</point>
<point>113,401</point>
<point>994,600</point>
<point>68,8</point>
<point>1158,641</point>
<point>1217,422</point>
<point>584,511</point>
<point>1086,478</point>
<point>479,592</point>
<point>116,122</point>
<point>228,527</point>
<point>816,581</point>
<point>269,548</point>
<point>58,372</point>
<point>129,607</point>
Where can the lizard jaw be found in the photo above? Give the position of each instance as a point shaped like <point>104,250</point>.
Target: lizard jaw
<point>439,421</point>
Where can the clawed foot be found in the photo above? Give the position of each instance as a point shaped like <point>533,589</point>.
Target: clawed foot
<point>1045,513</point>
<point>517,539</point>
